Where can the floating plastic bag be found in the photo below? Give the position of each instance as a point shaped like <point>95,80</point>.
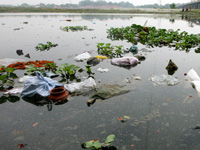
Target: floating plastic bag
<point>107,91</point>
<point>14,90</point>
<point>164,80</point>
<point>82,56</point>
<point>194,79</point>
<point>38,86</point>
<point>101,57</point>
<point>23,79</point>
<point>88,84</point>
<point>102,69</point>
<point>125,61</point>
<point>133,48</point>
<point>192,74</point>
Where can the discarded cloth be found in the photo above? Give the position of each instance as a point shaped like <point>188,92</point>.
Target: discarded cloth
<point>125,61</point>
<point>164,80</point>
<point>82,56</point>
<point>88,84</point>
<point>93,61</point>
<point>102,69</point>
<point>194,79</point>
<point>38,86</point>
<point>107,91</point>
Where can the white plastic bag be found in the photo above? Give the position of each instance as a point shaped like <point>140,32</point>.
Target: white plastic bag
<point>23,79</point>
<point>102,69</point>
<point>83,56</point>
<point>38,86</point>
<point>193,76</point>
<point>125,61</point>
<point>88,84</point>
<point>164,80</point>
<point>194,79</point>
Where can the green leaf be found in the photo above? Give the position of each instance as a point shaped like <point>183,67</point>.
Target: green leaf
<point>96,144</point>
<point>3,77</point>
<point>13,75</point>
<point>88,144</point>
<point>9,70</point>
<point>110,139</point>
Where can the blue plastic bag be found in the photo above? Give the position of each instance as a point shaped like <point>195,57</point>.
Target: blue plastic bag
<point>38,86</point>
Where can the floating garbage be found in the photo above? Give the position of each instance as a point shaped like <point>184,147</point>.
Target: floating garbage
<point>14,91</point>
<point>133,48</point>
<point>83,56</point>
<point>194,79</point>
<point>19,52</point>
<point>93,61</point>
<point>171,67</point>
<point>27,55</point>
<point>102,69</point>
<point>23,79</point>
<point>86,85</point>
<point>58,94</point>
<point>164,80</point>
<point>108,91</point>
<point>101,57</point>
<point>38,86</point>
<point>51,75</point>
<point>125,61</point>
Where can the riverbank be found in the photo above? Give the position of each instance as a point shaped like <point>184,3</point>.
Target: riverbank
<point>125,10</point>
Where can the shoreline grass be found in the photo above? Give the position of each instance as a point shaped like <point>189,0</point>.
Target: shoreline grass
<point>126,11</point>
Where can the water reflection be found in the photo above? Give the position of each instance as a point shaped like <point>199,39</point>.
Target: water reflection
<point>9,98</point>
<point>191,20</point>
<point>44,102</point>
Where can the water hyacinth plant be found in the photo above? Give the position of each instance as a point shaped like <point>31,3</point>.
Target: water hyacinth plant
<point>96,145</point>
<point>67,70</point>
<point>7,76</point>
<point>43,47</point>
<point>155,37</point>
<point>109,50</point>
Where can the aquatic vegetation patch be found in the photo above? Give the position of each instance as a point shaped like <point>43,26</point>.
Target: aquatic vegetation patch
<point>155,37</point>
<point>67,70</point>
<point>74,28</point>
<point>7,76</point>
<point>95,144</point>
<point>110,51</point>
<point>43,47</point>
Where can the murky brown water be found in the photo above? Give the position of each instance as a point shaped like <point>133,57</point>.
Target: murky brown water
<point>161,117</point>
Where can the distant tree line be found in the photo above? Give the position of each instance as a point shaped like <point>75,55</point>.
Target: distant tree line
<point>88,3</point>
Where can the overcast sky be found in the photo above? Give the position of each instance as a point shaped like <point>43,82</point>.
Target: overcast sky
<point>134,2</point>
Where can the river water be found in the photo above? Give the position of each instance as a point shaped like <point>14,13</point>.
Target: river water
<point>160,117</point>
